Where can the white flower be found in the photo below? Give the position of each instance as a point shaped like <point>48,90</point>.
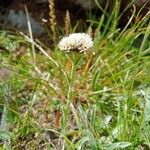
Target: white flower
<point>81,42</point>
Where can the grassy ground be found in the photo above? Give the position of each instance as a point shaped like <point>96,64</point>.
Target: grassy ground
<point>50,102</point>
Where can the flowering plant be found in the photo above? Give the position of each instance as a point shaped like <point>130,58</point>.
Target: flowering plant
<point>81,42</point>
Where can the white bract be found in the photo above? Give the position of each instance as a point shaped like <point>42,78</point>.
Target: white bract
<point>81,42</point>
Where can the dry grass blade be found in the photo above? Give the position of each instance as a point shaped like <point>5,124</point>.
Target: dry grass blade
<point>30,33</point>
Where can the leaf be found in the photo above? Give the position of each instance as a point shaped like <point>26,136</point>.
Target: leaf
<point>81,143</point>
<point>68,65</point>
<point>117,145</point>
<point>92,140</point>
<point>147,109</point>
<point>95,80</point>
<point>4,135</point>
<point>57,118</point>
<point>115,133</point>
<point>88,63</point>
<point>146,106</point>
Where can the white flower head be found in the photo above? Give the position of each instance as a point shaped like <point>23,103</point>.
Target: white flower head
<point>81,42</point>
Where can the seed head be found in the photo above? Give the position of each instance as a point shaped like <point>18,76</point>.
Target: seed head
<point>81,42</point>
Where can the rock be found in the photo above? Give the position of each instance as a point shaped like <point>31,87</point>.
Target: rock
<point>19,20</point>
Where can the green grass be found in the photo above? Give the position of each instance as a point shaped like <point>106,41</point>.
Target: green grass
<point>45,106</point>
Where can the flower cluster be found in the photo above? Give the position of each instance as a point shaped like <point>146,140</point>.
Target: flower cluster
<point>81,42</point>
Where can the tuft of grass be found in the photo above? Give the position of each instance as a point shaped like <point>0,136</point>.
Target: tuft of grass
<point>45,106</point>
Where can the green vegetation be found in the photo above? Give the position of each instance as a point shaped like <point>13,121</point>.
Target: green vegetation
<point>49,102</point>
